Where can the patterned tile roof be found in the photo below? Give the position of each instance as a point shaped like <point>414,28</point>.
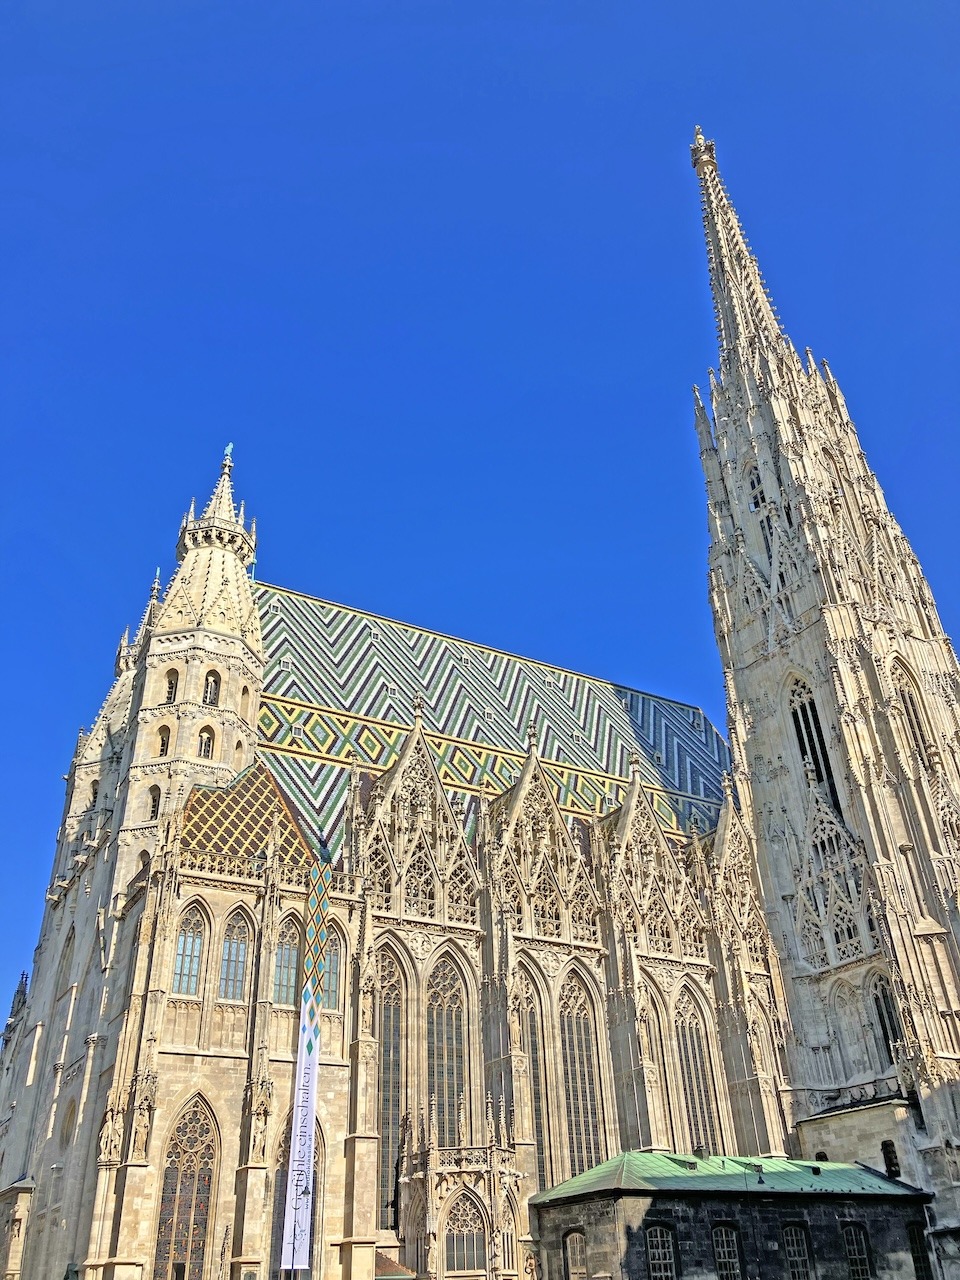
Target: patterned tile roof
<point>651,1172</point>
<point>340,681</point>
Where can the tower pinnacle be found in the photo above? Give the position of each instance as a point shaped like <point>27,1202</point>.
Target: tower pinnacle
<point>219,525</point>
<point>746,320</point>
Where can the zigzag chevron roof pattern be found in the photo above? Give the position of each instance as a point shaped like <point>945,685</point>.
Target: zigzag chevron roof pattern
<point>339,681</point>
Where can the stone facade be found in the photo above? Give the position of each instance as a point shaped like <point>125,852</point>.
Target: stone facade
<point>558,928</point>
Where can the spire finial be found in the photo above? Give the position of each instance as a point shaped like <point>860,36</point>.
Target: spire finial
<point>418,707</point>
<point>155,588</point>
<point>227,457</point>
<point>532,738</point>
<point>219,524</point>
<point>746,320</point>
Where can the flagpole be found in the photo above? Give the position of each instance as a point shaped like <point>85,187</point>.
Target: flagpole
<point>298,1210</point>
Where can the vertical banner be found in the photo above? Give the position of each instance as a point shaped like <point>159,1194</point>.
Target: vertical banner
<point>298,1212</point>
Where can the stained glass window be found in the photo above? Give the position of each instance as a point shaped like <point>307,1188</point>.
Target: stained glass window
<point>330,978</point>
<point>696,1073</point>
<point>578,1038</point>
<point>233,961</point>
<point>465,1238</point>
<point>446,1074</point>
<point>188,1175</point>
<point>286,975</point>
<point>391,1106</point>
<point>186,969</point>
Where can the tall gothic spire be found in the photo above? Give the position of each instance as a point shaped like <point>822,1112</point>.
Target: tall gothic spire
<point>746,320</point>
<point>220,525</point>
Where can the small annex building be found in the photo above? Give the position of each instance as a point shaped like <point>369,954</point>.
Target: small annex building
<point>658,1216</point>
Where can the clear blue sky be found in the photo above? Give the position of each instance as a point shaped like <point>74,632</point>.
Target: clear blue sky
<point>436,268</point>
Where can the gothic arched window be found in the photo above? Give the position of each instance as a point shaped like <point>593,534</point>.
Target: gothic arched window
<point>726,1252</point>
<point>188,1175</point>
<point>693,939</point>
<point>391,1106</point>
<point>286,975</point>
<point>462,893</point>
<point>171,686</point>
<point>465,1239</point>
<point>696,1074</point>
<point>186,969</point>
<point>846,933</point>
<point>446,1049</point>
<point>886,1020</point>
<point>796,1253</point>
<point>163,741</point>
<point>578,1036</point>
<point>153,804</point>
<point>233,960</point>
<point>659,935</point>
<point>810,739</point>
<point>513,906</point>
<point>419,888</point>
<point>244,702</point>
<point>916,726</point>
<point>211,689</point>
<point>205,744</point>
<point>330,974</point>
<point>531,1034</point>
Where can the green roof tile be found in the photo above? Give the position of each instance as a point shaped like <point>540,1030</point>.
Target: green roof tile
<point>648,1172</point>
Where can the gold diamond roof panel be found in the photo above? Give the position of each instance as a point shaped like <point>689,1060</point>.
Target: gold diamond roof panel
<point>340,684</point>
<point>239,823</point>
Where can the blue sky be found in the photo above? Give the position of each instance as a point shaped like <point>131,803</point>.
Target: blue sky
<point>436,268</point>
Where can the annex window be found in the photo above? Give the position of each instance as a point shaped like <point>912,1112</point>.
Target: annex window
<point>163,741</point>
<point>696,1073</point>
<point>797,1253</point>
<point>171,686</point>
<point>153,804</point>
<point>575,1256</point>
<point>726,1252</point>
<point>286,975</point>
<point>187,1185</point>
<point>446,1049</point>
<point>186,969</point>
<point>577,1040</point>
<point>858,1252</point>
<point>205,744</point>
<point>211,689</point>
<point>465,1240</point>
<point>233,960</point>
<point>391,1106</point>
<point>661,1256</point>
<point>330,974</point>
<point>810,739</point>
<point>920,1252</point>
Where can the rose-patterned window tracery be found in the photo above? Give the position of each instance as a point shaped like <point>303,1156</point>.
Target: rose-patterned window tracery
<point>188,1176</point>
<point>419,888</point>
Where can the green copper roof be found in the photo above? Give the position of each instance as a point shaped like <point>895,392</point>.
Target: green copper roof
<point>650,1173</point>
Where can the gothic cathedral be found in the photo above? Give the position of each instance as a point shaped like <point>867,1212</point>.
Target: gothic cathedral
<point>566,919</point>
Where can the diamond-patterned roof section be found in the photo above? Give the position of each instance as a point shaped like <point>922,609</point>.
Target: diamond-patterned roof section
<point>230,829</point>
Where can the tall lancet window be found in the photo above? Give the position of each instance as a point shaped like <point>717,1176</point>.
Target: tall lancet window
<point>446,1049</point>
<point>286,975</point>
<point>233,961</point>
<point>810,739</point>
<point>913,717</point>
<point>578,1037</point>
<point>391,1105</point>
<point>186,968</point>
<point>757,501</point>
<point>531,1039</point>
<point>696,1074</point>
<point>188,1175</point>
